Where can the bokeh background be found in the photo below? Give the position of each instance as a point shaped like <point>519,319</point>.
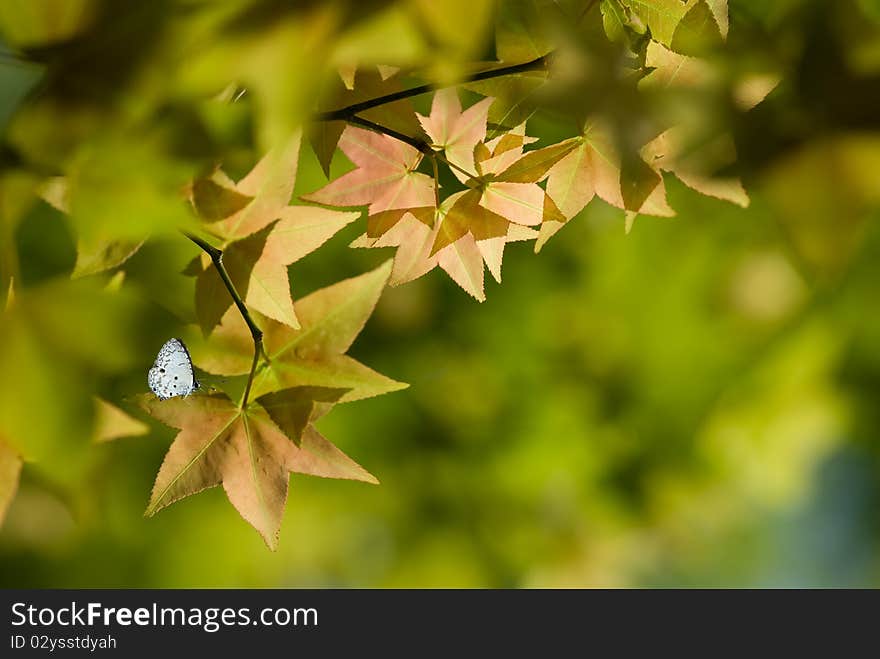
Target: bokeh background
<point>692,404</point>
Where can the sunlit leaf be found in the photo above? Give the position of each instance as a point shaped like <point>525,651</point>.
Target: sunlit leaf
<point>521,32</point>
<point>366,84</point>
<point>272,236</point>
<point>238,210</point>
<point>242,449</point>
<point>454,131</point>
<point>112,423</point>
<point>594,168</point>
<point>384,178</point>
<point>312,356</point>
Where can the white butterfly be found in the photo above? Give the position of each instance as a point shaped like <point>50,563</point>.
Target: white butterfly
<point>172,373</point>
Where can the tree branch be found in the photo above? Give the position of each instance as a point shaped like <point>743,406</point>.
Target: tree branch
<point>414,142</point>
<point>349,111</point>
<point>256,333</point>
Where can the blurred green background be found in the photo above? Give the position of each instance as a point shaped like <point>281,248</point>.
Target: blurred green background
<point>692,404</point>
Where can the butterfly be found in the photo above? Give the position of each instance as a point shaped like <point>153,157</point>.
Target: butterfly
<point>172,373</point>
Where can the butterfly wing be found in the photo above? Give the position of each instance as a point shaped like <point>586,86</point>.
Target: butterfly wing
<point>172,373</point>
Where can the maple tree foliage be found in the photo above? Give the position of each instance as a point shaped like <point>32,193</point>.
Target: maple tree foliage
<point>260,236</point>
<point>499,186</point>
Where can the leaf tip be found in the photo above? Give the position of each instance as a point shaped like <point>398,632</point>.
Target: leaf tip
<point>385,269</point>
<point>271,540</point>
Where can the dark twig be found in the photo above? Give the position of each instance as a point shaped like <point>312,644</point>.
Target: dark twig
<point>349,111</point>
<point>256,333</point>
<point>414,142</point>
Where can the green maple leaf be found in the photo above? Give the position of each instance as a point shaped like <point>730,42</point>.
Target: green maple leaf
<point>94,254</point>
<point>261,235</point>
<point>313,355</point>
<point>686,26</point>
<point>112,423</point>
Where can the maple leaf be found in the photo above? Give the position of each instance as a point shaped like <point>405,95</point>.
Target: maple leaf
<point>462,259</point>
<point>361,85</point>
<point>93,254</point>
<point>475,225</point>
<point>457,133</point>
<point>384,179</point>
<point>683,24</point>
<point>10,468</point>
<point>666,152</point>
<point>510,178</point>
<point>505,181</point>
<point>314,355</point>
<point>594,168</point>
<point>261,236</point>
<point>472,227</point>
<point>235,210</point>
<point>112,423</point>
<point>245,451</point>
<point>672,151</point>
<point>507,200</point>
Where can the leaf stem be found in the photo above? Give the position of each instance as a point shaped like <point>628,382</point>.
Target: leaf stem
<point>216,255</point>
<point>348,112</point>
<point>436,181</point>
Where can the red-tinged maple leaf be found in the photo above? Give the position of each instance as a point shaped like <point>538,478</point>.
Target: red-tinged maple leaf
<point>462,257</point>
<point>505,181</point>
<point>510,187</point>
<point>250,452</point>
<point>413,239</point>
<point>354,86</point>
<point>313,355</point>
<point>594,168</point>
<point>505,194</point>
<point>472,227</point>
<point>457,133</point>
<point>261,235</point>
<point>384,179</point>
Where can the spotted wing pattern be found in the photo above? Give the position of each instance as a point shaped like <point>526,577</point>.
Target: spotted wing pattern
<point>172,374</point>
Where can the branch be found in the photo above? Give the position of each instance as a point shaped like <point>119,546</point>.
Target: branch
<point>348,112</point>
<point>414,142</point>
<point>256,333</point>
